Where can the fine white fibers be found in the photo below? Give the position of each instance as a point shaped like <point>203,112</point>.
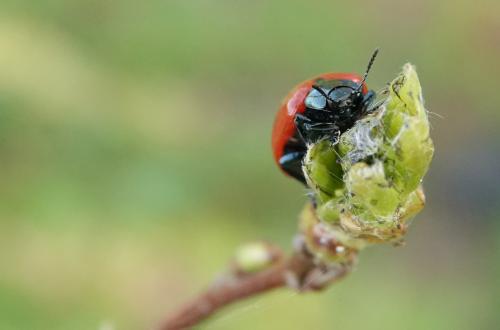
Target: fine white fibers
<point>364,142</point>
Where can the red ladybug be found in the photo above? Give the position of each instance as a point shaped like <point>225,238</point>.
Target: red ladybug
<point>322,107</point>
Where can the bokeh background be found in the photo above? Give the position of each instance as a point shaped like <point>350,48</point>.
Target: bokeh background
<point>135,157</point>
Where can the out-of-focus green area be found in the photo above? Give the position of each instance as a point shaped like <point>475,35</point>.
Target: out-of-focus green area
<point>135,156</point>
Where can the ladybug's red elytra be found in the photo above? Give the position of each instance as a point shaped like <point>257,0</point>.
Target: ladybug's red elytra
<point>318,108</point>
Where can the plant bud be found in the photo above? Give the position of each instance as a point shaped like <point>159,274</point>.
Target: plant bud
<point>368,186</point>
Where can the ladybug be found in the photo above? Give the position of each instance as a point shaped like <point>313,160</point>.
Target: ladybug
<point>319,108</point>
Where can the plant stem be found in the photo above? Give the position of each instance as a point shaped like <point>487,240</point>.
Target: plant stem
<point>232,289</point>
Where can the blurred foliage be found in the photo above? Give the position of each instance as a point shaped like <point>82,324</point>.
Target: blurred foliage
<point>134,141</point>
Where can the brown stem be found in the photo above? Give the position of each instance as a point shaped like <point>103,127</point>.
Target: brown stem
<point>236,288</point>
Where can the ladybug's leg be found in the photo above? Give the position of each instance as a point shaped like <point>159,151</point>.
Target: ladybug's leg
<point>379,99</point>
<point>312,131</point>
<point>303,124</point>
<point>368,99</point>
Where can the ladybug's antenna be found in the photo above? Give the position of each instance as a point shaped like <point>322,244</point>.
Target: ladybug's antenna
<point>372,59</point>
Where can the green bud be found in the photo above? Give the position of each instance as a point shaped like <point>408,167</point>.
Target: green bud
<point>324,173</point>
<point>370,192</point>
<point>369,184</point>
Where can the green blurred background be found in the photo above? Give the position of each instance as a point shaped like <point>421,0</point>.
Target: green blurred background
<point>135,157</point>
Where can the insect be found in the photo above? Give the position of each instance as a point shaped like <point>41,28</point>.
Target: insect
<point>318,108</point>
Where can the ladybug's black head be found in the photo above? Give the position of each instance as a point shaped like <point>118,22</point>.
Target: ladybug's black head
<point>343,99</point>
<point>333,106</point>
